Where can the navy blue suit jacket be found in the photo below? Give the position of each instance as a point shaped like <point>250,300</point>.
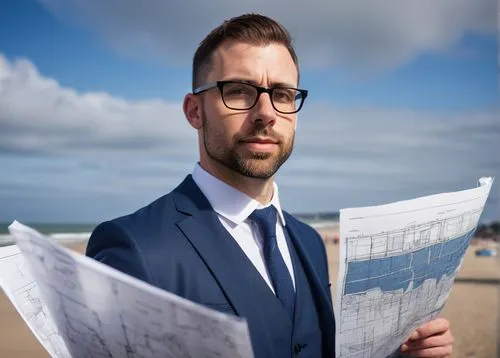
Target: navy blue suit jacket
<point>174,244</point>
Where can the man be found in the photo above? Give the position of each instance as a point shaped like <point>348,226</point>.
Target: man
<point>220,238</point>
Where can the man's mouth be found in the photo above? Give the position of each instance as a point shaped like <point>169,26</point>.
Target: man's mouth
<point>260,144</point>
<point>260,140</point>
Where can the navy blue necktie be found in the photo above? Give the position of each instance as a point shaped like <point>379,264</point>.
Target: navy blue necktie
<point>280,276</point>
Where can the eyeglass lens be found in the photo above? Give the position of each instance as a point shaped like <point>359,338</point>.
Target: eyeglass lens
<point>244,96</point>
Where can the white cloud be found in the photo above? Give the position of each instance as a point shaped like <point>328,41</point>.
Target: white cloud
<point>38,115</point>
<point>95,155</point>
<point>374,34</point>
<point>399,145</point>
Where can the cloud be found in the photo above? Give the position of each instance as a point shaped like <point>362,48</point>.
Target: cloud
<point>39,116</point>
<point>396,146</point>
<point>94,155</point>
<point>371,34</point>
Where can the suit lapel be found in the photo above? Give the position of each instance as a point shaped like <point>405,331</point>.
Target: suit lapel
<point>308,266</point>
<point>325,309</point>
<point>213,251</point>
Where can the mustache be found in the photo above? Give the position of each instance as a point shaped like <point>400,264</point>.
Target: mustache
<point>259,131</point>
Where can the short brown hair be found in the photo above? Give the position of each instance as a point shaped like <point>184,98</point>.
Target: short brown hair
<point>249,28</point>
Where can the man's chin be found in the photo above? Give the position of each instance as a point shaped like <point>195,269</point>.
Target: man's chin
<point>258,168</point>
<point>253,174</point>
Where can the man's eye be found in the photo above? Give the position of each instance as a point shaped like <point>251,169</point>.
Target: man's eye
<point>238,90</point>
<point>284,95</point>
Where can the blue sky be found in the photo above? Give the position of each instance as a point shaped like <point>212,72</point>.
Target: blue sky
<point>404,102</point>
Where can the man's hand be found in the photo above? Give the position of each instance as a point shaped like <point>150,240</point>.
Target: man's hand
<point>432,340</point>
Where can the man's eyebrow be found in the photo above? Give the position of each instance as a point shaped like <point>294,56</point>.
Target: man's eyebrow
<point>273,84</point>
<point>282,84</point>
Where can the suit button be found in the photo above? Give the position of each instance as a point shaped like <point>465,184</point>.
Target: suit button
<point>298,348</point>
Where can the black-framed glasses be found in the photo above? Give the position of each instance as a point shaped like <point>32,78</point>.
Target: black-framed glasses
<point>243,96</point>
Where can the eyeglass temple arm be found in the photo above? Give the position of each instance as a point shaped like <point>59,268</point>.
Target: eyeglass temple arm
<point>204,87</point>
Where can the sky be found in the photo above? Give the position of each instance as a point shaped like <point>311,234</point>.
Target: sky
<point>403,102</point>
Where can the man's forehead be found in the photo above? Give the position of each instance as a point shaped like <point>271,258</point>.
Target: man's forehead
<point>233,58</point>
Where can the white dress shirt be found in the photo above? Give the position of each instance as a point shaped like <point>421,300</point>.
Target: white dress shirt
<point>233,208</point>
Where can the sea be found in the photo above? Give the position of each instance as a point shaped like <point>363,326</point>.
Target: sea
<point>69,233</point>
<point>66,233</point>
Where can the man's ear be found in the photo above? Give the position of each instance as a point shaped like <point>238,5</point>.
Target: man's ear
<point>192,110</point>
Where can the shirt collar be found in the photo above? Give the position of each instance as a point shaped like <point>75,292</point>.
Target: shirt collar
<point>228,201</point>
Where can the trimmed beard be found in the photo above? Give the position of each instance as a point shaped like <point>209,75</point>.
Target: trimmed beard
<point>257,165</point>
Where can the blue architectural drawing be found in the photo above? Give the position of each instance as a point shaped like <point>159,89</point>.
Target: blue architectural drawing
<point>398,272</point>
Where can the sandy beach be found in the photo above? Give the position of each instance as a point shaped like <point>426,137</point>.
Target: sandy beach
<point>472,309</point>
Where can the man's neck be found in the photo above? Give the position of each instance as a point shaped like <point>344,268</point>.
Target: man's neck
<point>258,189</point>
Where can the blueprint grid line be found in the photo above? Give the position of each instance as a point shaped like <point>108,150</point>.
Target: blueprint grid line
<point>23,292</point>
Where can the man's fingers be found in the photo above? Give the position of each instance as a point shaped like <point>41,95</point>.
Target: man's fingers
<point>431,328</point>
<point>445,339</point>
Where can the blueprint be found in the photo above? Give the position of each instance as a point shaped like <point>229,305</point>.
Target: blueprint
<point>23,292</point>
<point>78,307</point>
<point>398,263</point>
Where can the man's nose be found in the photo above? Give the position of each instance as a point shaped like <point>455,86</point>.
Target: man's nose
<point>264,110</point>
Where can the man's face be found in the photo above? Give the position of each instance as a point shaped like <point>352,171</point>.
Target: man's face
<point>254,142</point>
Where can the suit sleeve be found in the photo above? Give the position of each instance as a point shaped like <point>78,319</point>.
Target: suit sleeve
<point>112,245</point>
